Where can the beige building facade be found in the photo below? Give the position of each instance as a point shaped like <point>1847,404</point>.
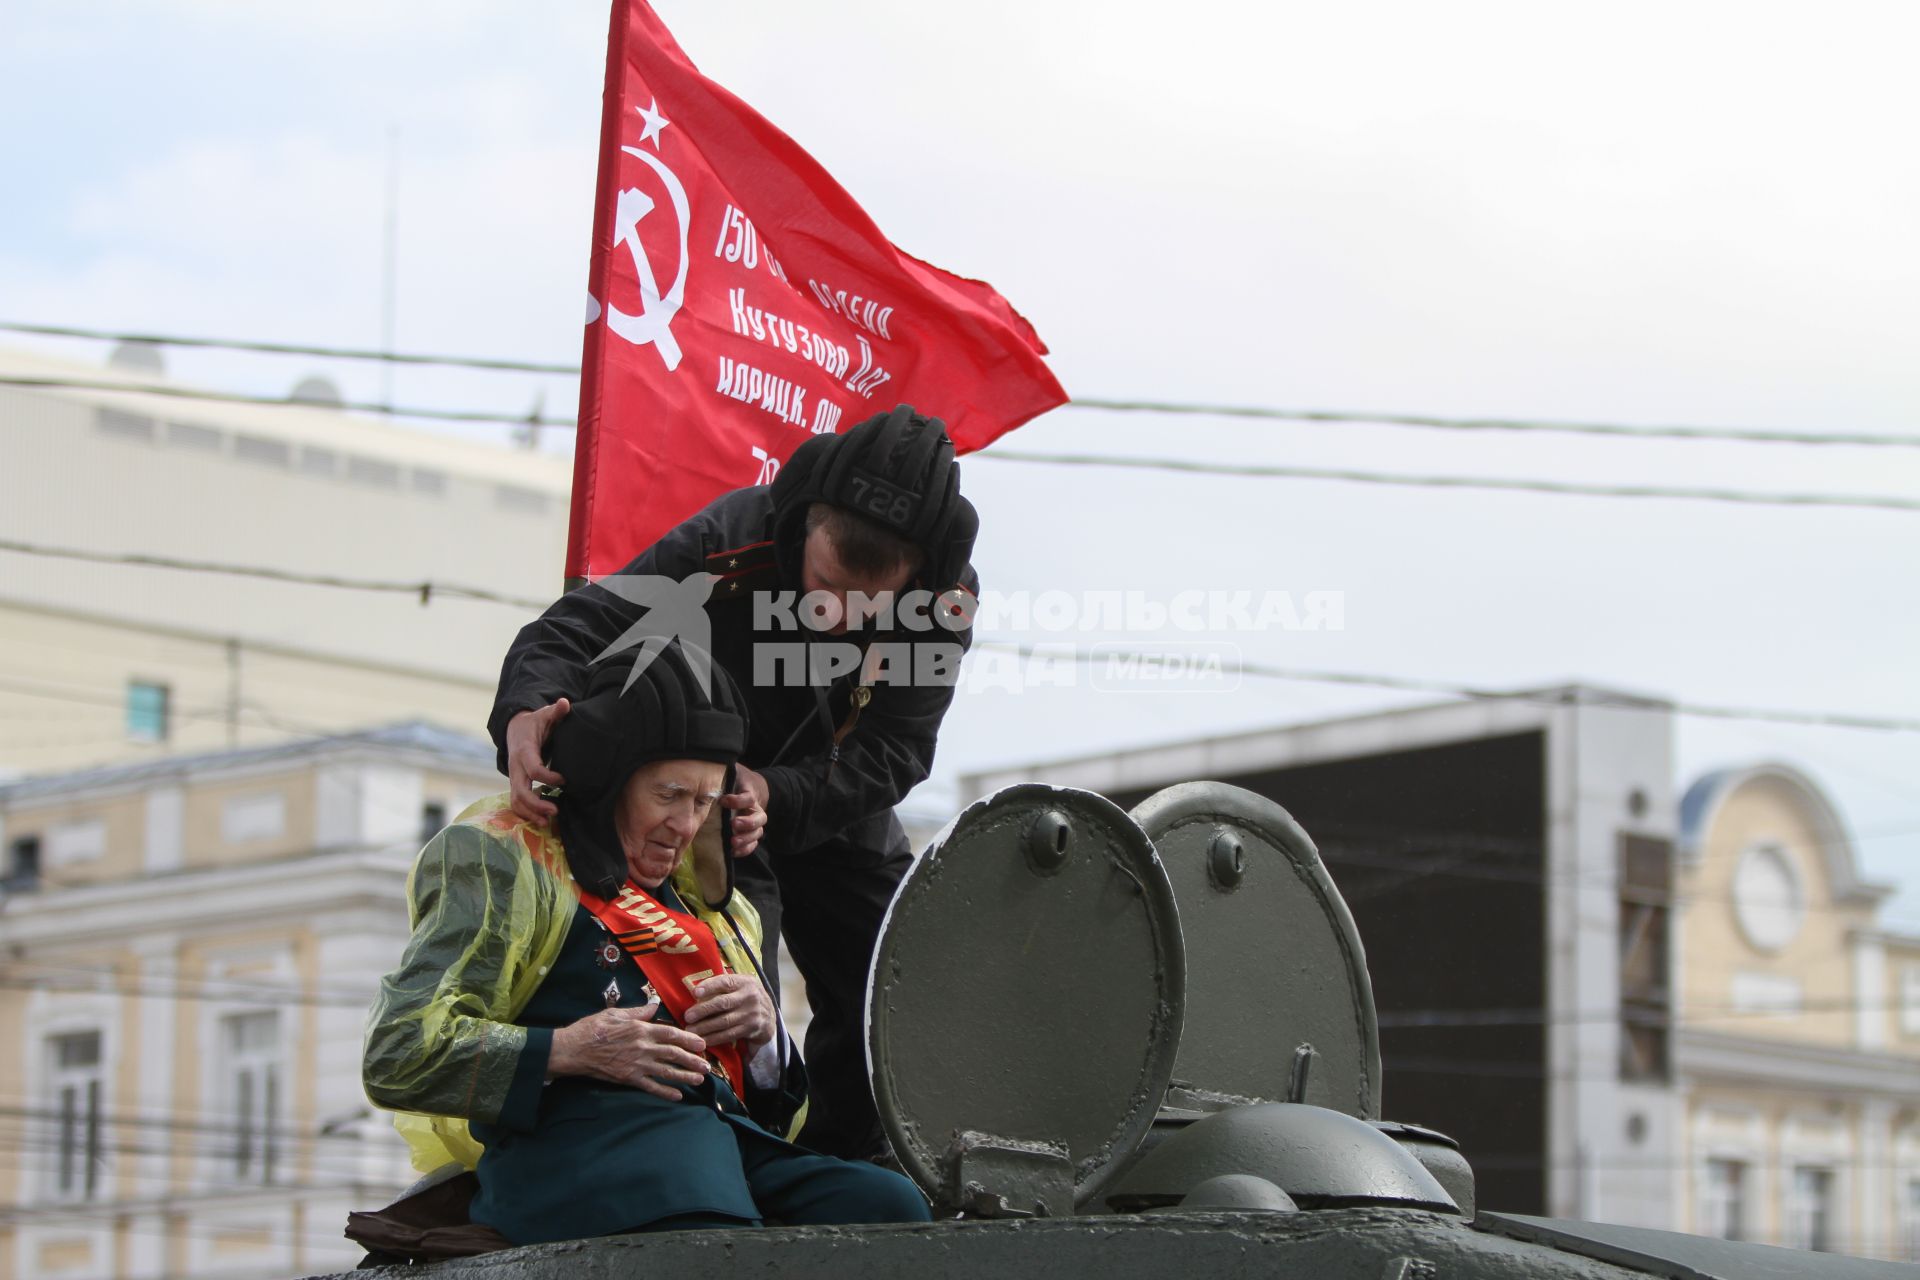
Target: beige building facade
<point>106,660</point>
<point>1797,1053</point>
<point>188,948</point>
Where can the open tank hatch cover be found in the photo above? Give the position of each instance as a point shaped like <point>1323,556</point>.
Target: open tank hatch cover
<point>1273,959</point>
<point>1024,1006</point>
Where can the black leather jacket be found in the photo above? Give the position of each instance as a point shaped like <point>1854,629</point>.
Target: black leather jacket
<point>890,749</point>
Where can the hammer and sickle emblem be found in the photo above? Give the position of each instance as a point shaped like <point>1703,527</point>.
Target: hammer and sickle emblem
<point>657,310</point>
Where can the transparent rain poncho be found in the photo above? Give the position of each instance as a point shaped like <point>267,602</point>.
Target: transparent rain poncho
<point>490,900</point>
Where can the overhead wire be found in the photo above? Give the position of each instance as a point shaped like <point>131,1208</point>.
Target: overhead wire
<point>424,589</point>
<point>1173,465</point>
<point>1567,488</point>
<point>238,994</point>
<point>1742,435</point>
<point>291,348</point>
<point>1693,1012</point>
<point>248,710</point>
<point>1557,698</point>
<point>43,1150</point>
<point>284,402</point>
<point>15,1109</point>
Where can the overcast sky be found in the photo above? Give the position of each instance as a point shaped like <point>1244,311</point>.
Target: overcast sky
<point>1672,213</point>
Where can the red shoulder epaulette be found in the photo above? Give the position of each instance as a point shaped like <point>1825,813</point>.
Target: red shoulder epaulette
<point>742,569</point>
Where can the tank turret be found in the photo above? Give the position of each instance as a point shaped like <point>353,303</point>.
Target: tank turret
<point>1067,996</point>
<point>1321,1159</point>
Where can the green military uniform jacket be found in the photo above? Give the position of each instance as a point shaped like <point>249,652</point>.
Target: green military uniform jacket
<point>502,954</point>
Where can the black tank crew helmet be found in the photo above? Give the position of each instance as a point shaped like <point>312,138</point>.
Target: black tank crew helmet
<point>665,713</point>
<point>896,469</point>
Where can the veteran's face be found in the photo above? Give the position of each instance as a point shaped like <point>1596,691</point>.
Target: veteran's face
<point>664,804</point>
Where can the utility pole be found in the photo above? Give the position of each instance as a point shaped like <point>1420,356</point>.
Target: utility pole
<point>390,266</point>
<point>233,691</point>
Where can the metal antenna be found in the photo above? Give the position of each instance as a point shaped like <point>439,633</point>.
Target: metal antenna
<point>1302,1064</point>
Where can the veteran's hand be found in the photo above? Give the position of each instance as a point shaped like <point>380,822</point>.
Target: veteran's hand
<point>627,1047</point>
<point>526,759</point>
<point>730,1007</point>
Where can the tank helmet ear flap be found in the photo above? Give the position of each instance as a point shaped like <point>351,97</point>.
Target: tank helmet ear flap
<point>713,850</point>
<point>948,561</point>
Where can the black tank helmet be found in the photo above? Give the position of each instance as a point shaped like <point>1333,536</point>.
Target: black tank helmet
<point>624,721</point>
<point>898,470</point>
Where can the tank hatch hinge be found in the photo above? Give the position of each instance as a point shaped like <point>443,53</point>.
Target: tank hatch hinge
<point>1009,1178</point>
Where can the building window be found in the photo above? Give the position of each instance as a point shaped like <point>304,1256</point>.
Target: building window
<point>372,471</point>
<point>118,422</point>
<point>1810,1209</point>
<point>1723,1200</point>
<point>253,1089</point>
<point>75,1081</point>
<point>23,865</point>
<point>319,462</point>
<point>273,453</point>
<point>261,815</point>
<point>1911,1206</point>
<point>147,711</point>
<point>71,842</point>
<point>1769,902</point>
<point>190,435</point>
<point>433,816</point>
<point>1646,1004</point>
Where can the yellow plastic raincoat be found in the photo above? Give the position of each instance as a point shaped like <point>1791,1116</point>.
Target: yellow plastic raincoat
<point>490,900</point>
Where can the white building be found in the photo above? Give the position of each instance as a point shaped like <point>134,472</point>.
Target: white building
<point>106,661</point>
<point>188,948</point>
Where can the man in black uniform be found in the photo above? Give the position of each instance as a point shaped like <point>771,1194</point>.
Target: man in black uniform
<point>876,510</point>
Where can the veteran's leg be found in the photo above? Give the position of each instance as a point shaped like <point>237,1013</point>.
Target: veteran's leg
<point>800,1188</point>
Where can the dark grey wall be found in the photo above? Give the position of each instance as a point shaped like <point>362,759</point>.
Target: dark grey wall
<point>1440,854</point>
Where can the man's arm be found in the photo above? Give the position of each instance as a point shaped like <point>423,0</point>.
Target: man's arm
<point>548,659</point>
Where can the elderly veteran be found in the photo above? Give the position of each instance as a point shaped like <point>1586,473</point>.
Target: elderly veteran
<point>578,1012</point>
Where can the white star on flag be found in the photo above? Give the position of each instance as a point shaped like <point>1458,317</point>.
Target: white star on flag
<point>655,123</point>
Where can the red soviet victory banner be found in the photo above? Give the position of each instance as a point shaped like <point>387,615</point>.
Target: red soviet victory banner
<point>740,301</point>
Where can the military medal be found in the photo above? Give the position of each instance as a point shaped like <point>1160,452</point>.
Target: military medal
<point>607,954</point>
<point>612,994</point>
